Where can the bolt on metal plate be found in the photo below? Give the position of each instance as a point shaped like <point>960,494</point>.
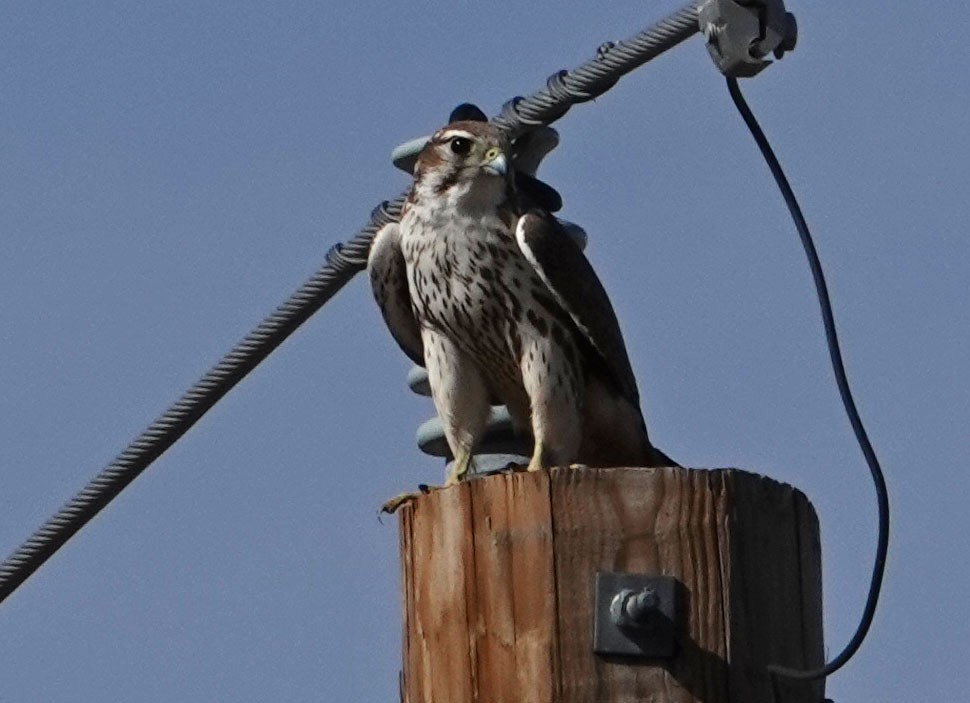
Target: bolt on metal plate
<point>635,615</point>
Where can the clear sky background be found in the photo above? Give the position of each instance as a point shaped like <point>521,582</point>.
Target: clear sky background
<point>170,172</point>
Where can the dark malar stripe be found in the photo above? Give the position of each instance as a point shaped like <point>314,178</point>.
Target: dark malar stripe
<point>447,182</point>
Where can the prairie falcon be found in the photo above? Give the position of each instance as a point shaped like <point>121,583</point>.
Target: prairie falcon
<point>485,290</point>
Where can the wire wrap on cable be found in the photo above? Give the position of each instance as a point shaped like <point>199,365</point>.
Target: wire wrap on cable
<point>343,261</point>
<point>593,78</point>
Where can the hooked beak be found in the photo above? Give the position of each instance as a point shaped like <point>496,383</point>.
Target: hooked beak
<point>497,165</point>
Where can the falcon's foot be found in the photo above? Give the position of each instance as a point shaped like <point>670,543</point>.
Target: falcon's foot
<point>535,464</point>
<point>459,468</point>
<point>394,504</point>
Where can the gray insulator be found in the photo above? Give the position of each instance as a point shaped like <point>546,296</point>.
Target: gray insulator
<point>418,381</point>
<point>575,232</point>
<point>741,34</point>
<point>519,115</point>
<point>404,155</point>
<point>500,446</point>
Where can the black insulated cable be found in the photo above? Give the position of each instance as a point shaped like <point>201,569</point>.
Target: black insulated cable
<point>838,368</point>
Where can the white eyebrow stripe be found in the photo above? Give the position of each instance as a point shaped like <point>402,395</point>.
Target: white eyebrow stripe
<point>452,133</point>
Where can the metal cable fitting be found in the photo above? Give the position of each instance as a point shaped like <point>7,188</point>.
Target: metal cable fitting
<point>342,263</point>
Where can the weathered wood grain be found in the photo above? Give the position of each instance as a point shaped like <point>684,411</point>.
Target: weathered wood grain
<point>498,579</point>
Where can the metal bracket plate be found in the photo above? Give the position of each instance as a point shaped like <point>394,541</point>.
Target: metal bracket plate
<point>636,615</point>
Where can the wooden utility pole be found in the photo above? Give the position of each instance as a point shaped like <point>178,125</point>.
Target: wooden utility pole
<point>499,574</point>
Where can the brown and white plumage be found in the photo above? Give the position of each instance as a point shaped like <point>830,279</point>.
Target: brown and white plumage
<point>500,305</point>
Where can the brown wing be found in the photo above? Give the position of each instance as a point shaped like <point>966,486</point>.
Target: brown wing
<point>389,283</point>
<point>572,281</point>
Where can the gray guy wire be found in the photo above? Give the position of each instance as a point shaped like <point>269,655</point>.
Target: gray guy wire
<point>563,90</point>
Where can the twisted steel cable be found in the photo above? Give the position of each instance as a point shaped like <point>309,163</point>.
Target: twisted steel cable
<point>343,261</point>
<point>563,90</point>
<point>593,78</point>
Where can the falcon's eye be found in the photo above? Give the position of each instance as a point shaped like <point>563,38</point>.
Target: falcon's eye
<point>461,146</point>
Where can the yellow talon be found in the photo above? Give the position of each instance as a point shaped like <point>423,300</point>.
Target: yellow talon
<point>535,464</point>
<point>391,506</point>
<point>459,468</point>
<point>394,504</point>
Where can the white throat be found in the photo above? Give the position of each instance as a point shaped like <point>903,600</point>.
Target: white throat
<point>469,196</point>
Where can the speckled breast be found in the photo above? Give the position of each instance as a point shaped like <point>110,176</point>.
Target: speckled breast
<point>473,284</point>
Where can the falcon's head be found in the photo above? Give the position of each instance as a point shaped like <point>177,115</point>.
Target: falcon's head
<point>467,163</point>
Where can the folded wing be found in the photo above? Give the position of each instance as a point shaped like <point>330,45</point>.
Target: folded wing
<point>575,286</point>
<point>389,282</point>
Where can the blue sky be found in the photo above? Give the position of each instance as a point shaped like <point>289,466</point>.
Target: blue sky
<point>171,172</point>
